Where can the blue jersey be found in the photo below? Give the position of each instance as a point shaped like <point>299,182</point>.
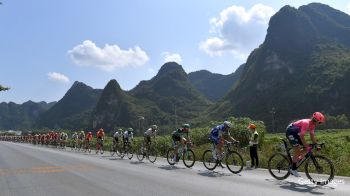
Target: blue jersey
<point>219,131</point>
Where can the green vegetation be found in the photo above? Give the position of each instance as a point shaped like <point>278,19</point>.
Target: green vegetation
<point>2,88</point>
<point>214,86</point>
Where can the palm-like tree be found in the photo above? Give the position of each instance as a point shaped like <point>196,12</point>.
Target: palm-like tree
<point>2,88</point>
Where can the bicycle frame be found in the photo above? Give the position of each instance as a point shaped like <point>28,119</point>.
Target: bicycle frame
<point>300,162</point>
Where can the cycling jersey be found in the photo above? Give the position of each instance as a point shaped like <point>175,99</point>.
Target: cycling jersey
<point>150,132</point>
<point>218,132</point>
<point>298,128</point>
<point>75,136</point>
<point>128,135</point>
<point>305,125</point>
<point>116,134</point>
<point>100,134</point>
<point>81,136</point>
<point>89,137</point>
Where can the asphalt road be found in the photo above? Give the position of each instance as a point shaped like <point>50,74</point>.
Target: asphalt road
<point>27,170</point>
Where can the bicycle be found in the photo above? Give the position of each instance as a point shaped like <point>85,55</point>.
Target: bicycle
<point>186,153</point>
<point>74,144</point>
<point>150,153</point>
<point>127,150</point>
<point>233,159</point>
<point>99,146</point>
<point>279,164</point>
<point>115,149</point>
<point>87,146</point>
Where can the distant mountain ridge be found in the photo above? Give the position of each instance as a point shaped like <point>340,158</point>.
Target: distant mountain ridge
<point>302,67</point>
<point>214,86</point>
<point>73,110</point>
<point>21,116</point>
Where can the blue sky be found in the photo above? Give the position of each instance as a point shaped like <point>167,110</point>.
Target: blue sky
<point>46,45</point>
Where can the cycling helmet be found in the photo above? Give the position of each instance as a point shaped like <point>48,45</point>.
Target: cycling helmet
<point>154,127</point>
<point>101,130</point>
<point>81,131</point>
<point>130,129</point>
<point>90,133</point>
<point>186,126</point>
<point>319,117</point>
<point>120,130</point>
<point>227,124</point>
<point>252,126</point>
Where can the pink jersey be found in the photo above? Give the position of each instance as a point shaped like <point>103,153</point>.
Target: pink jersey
<point>305,125</point>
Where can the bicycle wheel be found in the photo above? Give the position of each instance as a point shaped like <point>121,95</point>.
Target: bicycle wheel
<point>189,158</point>
<point>140,155</point>
<point>129,153</point>
<point>170,156</point>
<point>152,155</point>
<point>278,166</point>
<point>112,150</point>
<point>234,162</point>
<point>319,170</point>
<point>208,160</point>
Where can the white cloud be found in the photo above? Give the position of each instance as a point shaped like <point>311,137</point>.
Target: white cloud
<point>237,30</point>
<point>172,57</point>
<point>348,8</point>
<point>58,77</point>
<point>151,70</point>
<point>108,58</point>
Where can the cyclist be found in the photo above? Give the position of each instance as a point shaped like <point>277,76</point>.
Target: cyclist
<point>63,139</point>
<point>100,135</point>
<point>218,135</point>
<point>81,138</point>
<point>151,132</point>
<point>88,139</point>
<point>116,137</point>
<point>178,137</point>
<point>75,138</point>
<point>296,135</point>
<point>128,134</point>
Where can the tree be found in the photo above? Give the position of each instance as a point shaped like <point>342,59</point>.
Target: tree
<point>2,88</point>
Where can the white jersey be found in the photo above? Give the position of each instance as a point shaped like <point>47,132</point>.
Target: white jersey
<point>75,136</point>
<point>116,134</point>
<point>127,135</point>
<point>150,133</point>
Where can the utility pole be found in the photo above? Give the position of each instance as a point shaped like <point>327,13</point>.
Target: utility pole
<point>273,112</point>
<point>175,117</point>
<point>141,119</point>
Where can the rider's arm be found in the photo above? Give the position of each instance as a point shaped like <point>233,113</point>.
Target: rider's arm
<point>313,138</point>
<point>302,138</point>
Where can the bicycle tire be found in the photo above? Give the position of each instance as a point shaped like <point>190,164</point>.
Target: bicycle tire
<point>237,158</point>
<point>170,156</point>
<point>140,155</point>
<point>112,152</point>
<point>208,161</point>
<point>280,166</point>
<point>152,155</point>
<point>311,161</point>
<point>189,154</point>
<point>129,154</point>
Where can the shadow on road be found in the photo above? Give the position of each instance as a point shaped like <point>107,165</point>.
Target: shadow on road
<point>302,188</point>
<point>170,167</point>
<point>136,162</point>
<point>213,174</point>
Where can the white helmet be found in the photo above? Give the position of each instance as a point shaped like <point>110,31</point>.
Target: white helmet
<point>228,124</point>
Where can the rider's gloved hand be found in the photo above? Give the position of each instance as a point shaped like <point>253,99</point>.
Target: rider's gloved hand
<point>309,148</point>
<point>318,147</point>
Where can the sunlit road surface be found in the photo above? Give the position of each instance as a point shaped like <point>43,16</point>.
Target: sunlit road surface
<point>27,170</point>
